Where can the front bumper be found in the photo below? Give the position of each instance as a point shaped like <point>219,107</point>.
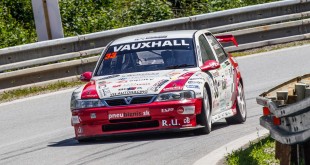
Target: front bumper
<point>156,116</point>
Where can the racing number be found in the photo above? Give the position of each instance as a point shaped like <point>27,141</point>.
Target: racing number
<point>110,56</point>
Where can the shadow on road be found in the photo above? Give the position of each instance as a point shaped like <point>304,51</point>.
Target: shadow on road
<point>135,137</point>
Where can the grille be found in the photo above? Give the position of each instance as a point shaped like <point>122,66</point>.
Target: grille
<point>141,100</point>
<point>116,102</point>
<point>129,100</point>
<point>129,126</point>
<point>130,120</point>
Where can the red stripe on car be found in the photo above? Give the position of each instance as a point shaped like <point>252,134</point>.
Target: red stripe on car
<point>178,84</point>
<point>89,91</point>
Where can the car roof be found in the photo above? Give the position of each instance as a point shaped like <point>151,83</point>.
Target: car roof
<point>155,36</point>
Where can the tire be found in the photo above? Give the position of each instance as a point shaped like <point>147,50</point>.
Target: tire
<point>204,118</point>
<point>241,115</point>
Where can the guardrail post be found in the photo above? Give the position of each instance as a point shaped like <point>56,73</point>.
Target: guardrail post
<point>289,123</point>
<point>285,153</point>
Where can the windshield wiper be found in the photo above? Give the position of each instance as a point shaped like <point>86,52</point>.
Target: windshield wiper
<point>178,66</point>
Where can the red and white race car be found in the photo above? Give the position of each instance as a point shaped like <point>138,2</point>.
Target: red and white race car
<point>165,81</point>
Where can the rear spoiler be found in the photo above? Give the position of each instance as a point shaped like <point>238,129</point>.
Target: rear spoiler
<point>227,38</point>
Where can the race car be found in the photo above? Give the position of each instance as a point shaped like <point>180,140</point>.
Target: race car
<point>162,81</point>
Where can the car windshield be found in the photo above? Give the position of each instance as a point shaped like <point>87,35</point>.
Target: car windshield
<point>147,56</point>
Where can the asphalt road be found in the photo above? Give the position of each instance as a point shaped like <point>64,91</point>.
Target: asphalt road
<point>37,130</point>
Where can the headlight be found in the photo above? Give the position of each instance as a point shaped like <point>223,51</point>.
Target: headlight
<point>180,95</point>
<point>87,103</point>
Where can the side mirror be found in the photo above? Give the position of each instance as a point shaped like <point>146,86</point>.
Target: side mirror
<point>86,76</point>
<point>227,38</point>
<point>210,65</point>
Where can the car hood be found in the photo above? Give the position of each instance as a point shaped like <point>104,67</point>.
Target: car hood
<point>142,83</point>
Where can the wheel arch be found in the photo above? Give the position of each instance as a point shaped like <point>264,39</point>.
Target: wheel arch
<point>207,86</point>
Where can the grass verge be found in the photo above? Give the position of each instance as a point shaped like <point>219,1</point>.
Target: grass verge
<point>31,91</point>
<point>270,48</point>
<point>259,153</point>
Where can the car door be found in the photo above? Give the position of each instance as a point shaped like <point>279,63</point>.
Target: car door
<point>226,73</point>
<point>207,53</point>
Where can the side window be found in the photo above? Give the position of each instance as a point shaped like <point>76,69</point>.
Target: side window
<point>221,55</point>
<point>205,49</point>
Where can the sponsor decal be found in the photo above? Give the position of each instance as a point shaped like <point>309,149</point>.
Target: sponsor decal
<point>109,77</point>
<point>172,88</point>
<point>196,78</point>
<point>224,84</point>
<point>167,123</point>
<point>216,74</point>
<point>122,81</point>
<point>194,82</point>
<point>103,83</point>
<point>142,74</point>
<point>198,93</point>
<point>129,92</point>
<point>164,110</point>
<point>152,44</point>
<point>93,115</point>
<point>128,114</point>
<point>80,130</point>
<point>173,74</point>
<point>158,85</point>
<point>216,86</point>
<point>116,86</point>
<point>106,91</point>
<point>187,120</point>
<point>145,79</point>
<point>129,89</point>
<point>75,119</point>
<point>152,37</point>
<point>136,84</point>
<point>193,86</point>
<point>123,78</point>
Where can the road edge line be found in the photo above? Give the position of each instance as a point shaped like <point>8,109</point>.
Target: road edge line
<point>215,156</point>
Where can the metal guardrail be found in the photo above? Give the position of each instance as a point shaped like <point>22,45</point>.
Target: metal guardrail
<point>287,117</point>
<point>253,26</point>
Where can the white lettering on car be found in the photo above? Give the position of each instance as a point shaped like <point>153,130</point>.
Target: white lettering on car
<point>133,46</point>
<point>187,120</point>
<point>126,47</point>
<point>158,44</point>
<point>116,49</point>
<point>153,44</point>
<point>175,43</point>
<point>174,122</point>
<point>164,123</point>
<point>167,43</point>
<point>145,44</point>
<point>129,114</point>
<point>164,110</point>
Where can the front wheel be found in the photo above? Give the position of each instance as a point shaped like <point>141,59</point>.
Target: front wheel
<point>204,118</point>
<point>240,117</point>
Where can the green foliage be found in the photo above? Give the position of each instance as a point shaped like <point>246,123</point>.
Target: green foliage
<point>86,16</point>
<point>96,15</point>
<point>262,152</point>
<point>16,23</point>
